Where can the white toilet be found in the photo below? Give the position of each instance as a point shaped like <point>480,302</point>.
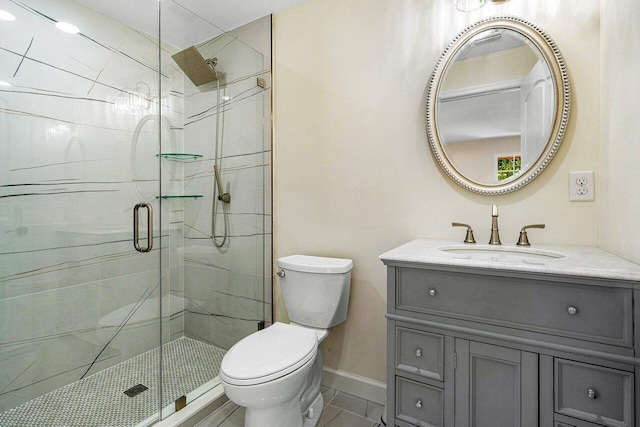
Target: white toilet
<point>276,373</point>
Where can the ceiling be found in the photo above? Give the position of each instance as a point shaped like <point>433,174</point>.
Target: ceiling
<point>188,22</point>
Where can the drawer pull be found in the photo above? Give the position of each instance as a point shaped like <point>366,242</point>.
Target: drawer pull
<point>572,310</point>
<point>591,393</point>
<point>419,404</point>
<point>432,292</point>
<point>419,352</point>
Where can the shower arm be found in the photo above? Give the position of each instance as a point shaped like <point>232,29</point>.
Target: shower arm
<point>223,197</point>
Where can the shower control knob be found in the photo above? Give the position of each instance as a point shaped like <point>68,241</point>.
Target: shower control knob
<point>419,352</point>
<point>572,310</point>
<point>432,292</point>
<point>419,404</point>
<point>591,394</point>
<point>280,273</point>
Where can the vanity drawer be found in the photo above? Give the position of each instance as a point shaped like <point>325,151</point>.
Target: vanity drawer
<point>591,313</point>
<point>593,393</point>
<point>420,353</point>
<point>419,404</point>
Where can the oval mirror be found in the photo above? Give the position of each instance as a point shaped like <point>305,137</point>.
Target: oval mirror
<point>498,105</point>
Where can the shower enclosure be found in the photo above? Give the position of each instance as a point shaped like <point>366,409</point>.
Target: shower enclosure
<point>98,127</point>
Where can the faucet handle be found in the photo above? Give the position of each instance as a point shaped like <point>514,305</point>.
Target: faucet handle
<point>469,237</point>
<point>524,240</point>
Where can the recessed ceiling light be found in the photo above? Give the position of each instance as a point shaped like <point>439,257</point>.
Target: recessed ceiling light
<point>4,83</point>
<point>67,28</point>
<point>6,16</point>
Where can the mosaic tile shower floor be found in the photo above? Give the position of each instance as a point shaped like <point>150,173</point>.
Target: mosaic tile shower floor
<point>99,400</point>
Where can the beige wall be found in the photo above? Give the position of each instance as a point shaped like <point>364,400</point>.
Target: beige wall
<point>620,147</point>
<point>354,176</point>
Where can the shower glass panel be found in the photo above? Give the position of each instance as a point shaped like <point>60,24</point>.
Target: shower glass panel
<point>79,142</point>
<point>224,249</point>
<point>224,287</point>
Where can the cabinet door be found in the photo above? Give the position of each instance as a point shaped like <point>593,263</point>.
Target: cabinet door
<point>495,386</point>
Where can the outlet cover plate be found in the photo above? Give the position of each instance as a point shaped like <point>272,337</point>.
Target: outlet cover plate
<point>581,186</point>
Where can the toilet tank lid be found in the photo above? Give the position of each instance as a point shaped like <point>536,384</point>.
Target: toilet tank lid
<point>315,264</point>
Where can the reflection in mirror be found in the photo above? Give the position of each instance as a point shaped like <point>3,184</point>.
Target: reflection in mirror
<point>495,107</point>
<point>498,105</point>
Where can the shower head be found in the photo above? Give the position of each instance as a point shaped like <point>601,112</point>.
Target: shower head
<point>199,70</point>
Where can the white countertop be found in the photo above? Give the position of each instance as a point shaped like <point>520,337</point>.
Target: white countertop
<point>581,261</point>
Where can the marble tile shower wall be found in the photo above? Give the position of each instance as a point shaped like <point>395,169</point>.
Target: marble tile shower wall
<point>228,290</point>
<point>78,146</point>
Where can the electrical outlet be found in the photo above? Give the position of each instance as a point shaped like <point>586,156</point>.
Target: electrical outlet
<point>581,186</point>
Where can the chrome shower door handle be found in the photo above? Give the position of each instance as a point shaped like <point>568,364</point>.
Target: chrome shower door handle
<point>136,224</point>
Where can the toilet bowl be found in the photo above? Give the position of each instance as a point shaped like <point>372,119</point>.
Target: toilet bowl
<point>267,373</point>
<point>276,373</point>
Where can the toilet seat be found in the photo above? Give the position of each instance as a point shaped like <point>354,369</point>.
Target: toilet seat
<point>269,354</point>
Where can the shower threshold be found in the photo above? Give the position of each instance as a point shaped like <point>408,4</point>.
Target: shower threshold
<point>190,368</point>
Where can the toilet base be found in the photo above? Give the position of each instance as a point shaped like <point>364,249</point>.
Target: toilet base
<point>286,415</point>
<point>316,409</point>
<point>304,410</point>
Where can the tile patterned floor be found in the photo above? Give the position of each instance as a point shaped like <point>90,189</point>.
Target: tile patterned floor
<point>340,410</point>
<point>99,400</point>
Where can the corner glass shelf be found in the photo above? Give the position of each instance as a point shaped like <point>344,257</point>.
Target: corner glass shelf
<point>182,196</point>
<point>179,156</point>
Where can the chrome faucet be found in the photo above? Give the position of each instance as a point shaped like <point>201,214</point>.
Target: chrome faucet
<point>495,234</point>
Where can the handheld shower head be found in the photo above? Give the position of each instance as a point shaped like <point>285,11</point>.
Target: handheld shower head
<point>223,197</point>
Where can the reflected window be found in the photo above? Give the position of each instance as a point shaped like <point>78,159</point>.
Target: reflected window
<point>507,166</point>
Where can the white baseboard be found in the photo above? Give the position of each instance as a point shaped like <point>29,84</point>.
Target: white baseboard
<point>362,387</point>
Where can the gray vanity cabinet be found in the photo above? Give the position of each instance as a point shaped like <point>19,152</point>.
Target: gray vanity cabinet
<point>473,347</point>
<point>495,386</point>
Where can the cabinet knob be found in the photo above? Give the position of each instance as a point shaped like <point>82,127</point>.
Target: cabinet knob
<point>591,393</point>
<point>419,404</point>
<point>432,292</point>
<point>419,352</point>
<point>572,310</point>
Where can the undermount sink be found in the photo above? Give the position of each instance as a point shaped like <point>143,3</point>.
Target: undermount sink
<point>499,253</point>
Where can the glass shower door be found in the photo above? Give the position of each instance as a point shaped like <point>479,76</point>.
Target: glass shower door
<point>80,135</point>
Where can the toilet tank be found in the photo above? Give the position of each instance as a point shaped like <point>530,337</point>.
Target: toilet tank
<point>315,289</point>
